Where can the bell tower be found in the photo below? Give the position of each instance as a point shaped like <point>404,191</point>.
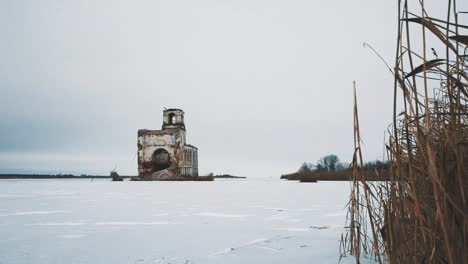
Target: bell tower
<point>173,118</point>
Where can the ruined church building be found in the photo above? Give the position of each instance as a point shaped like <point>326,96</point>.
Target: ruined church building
<point>167,149</point>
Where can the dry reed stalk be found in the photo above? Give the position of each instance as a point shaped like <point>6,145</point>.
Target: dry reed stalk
<point>420,215</point>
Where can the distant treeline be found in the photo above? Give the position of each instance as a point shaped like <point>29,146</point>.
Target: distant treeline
<point>329,168</point>
<point>85,176</point>
<point>332,163</point>
<point>53,176</point>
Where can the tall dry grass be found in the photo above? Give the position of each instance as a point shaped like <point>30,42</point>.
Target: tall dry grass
<point>420,215</point>
<point>340,175</point>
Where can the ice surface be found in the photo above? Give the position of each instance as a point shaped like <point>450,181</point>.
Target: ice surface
<point>225,221</point>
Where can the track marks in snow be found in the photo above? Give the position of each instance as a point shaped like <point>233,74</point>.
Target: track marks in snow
<point>59,224</point>
<point>264,243</point>
<point>36,213</point>
<point>119,223</point>
<point>212,214</point>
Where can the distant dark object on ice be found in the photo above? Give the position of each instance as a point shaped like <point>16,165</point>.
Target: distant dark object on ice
<point>115,176</point>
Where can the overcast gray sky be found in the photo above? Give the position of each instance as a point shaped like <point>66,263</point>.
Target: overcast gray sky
<point>265,84</point>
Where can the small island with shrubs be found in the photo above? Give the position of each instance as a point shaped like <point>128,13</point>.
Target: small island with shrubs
<point>329,168</point>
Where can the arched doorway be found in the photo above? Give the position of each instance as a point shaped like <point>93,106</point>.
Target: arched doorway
<point>161,159</point>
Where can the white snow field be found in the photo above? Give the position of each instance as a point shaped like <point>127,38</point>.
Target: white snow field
<point>225,221</point>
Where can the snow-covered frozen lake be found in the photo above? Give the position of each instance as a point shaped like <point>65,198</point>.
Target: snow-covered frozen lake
<point>225,221</point>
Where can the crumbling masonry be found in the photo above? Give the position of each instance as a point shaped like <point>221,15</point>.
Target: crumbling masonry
<point>164,154</point>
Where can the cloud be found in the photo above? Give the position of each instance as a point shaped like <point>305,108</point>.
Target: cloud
<point>266,85</point>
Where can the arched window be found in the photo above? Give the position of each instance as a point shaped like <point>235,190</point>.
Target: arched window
<point>172,119</point>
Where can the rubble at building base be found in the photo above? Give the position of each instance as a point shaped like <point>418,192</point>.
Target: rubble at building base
<point>157,176</point>
<point>166,175</point>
